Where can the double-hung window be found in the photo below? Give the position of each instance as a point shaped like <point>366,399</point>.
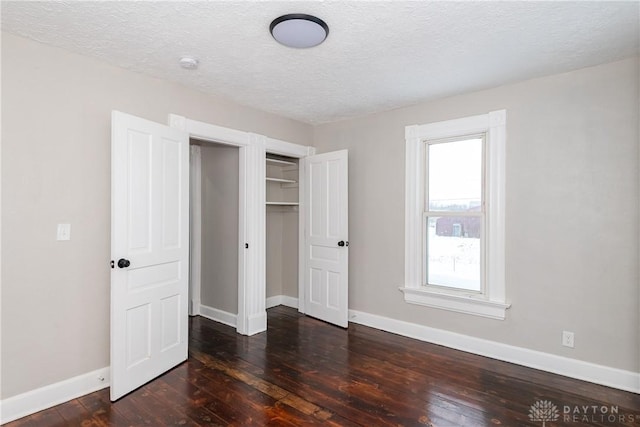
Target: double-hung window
<point>454,215</point>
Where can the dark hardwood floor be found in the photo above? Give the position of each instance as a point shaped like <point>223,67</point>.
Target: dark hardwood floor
<point>305,372</point>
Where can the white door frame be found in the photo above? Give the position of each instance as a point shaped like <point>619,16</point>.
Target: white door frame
<point>252,315</point>
<point>195,228</point>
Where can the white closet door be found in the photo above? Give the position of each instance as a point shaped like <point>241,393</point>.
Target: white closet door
<point>326,236</point>
<point>149,249</point>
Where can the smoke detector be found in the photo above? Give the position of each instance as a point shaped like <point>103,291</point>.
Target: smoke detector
<point>189,63</point>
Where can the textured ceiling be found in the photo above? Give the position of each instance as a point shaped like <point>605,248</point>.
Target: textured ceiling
<point>378,56</point>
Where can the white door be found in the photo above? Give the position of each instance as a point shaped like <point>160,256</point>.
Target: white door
<point>149,250</point>
<point>327,237</point>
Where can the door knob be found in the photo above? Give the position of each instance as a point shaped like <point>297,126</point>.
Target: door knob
<point>341,243</point>
<point>123,263</point>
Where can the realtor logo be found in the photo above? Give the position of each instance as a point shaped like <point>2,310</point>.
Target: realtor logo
<point>544,410</point>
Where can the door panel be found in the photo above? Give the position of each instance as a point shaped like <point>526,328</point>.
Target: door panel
<point>326,263</point>
<point>139,176</point>
<point>149,228</point>
<point>171,186</point>
<point>170,335</point>
<point>138,344</point>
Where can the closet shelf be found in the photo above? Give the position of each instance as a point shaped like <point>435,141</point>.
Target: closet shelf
<point>290,181</point>
<point>283,203</point>
<point>280,162</point>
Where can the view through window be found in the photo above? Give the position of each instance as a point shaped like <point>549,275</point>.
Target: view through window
<point>454,213</point>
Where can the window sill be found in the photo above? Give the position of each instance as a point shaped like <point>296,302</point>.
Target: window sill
<point>458,303</point>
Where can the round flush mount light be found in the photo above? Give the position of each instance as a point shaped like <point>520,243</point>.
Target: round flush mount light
<point>299,30</point>
<point>189,63</point>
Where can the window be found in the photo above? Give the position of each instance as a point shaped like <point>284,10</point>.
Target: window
<point>454,215</point>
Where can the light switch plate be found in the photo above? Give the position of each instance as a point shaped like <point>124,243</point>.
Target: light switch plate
<point>64,231</point>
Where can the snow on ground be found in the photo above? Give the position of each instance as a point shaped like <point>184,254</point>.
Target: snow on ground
<point>453,261</point>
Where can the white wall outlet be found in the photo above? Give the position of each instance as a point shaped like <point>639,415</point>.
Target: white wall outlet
<point>567,339</point>
<point>64,231</point>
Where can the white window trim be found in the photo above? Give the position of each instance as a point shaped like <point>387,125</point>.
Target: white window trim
<point>492,303</point>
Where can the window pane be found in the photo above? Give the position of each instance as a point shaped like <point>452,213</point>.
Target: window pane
<point>455,175</point>
<point>453,248</point>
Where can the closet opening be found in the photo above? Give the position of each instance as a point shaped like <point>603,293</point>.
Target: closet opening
<point>282,228</point>
<point>214,211</point>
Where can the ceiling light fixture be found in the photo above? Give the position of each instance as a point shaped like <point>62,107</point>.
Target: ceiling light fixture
<point>189,63</point>
<point>299,30</point>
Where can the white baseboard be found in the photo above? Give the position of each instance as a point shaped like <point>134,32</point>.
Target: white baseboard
<point>216,315</point>
<point>573,368</point>
<point>285,300</point>
<point>53,394</point>
<point>194,307</point>
<point>257,323</point>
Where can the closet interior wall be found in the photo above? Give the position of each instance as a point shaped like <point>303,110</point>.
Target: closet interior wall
<point>219,265</point>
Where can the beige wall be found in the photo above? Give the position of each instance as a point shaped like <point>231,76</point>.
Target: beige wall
<point>282,251</point>
<point>56,118</point>
<point>219,266</point>
<point>274,243</point>
<point>571,215</point>
<point>290,253</point>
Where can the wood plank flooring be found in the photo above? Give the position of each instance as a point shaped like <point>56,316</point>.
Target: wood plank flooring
<point>304,372</point>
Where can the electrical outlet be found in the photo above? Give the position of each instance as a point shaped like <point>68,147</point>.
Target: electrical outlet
<point>567,339</point>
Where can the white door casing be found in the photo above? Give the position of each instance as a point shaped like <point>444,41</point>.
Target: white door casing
<point>251,317</point>
<point>195,228</point>
<point>327,237</point>
<point>150,229</point>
